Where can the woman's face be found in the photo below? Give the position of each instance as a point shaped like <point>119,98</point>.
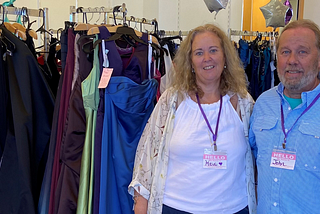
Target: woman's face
<point>207,58</point>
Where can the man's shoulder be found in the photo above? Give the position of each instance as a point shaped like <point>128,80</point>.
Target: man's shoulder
<point>269,95</point>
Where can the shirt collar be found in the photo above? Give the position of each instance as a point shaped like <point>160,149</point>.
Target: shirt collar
<point>307,96</point>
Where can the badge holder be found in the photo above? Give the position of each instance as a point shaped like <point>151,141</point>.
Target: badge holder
<point>214,159</point>
<point>283,159</point>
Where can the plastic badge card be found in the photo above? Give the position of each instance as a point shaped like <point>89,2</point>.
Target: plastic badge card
<point>214,160</point>
<point>284,159</point>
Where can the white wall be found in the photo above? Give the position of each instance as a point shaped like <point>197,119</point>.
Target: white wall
<point>170,14</point>
<point>311,10</point>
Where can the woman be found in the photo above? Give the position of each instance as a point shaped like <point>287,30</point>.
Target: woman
<point>194,156</point>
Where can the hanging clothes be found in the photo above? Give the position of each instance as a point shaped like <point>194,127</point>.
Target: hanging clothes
<point>128,106</point>
<point>139,99</point>
<point>44,199</point>
<point>64,102</point>
<point>52,65</point>
<point>29,104</point>
<point>70,153</point>
<point>107,47</point>
<point>90,95</point>
<point>256,59</point>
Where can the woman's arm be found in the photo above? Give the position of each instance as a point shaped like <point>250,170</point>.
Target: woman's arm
<point>140,203</point>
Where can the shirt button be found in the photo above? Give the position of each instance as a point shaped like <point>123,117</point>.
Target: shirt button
<point>289,108</point>
<point>306,165</point>
<point>276,180</point>
<point>275,204</point>
<point>286,130</point>
<point>314,167</point>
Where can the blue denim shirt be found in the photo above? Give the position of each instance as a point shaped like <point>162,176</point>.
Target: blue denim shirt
<point>283,191</point>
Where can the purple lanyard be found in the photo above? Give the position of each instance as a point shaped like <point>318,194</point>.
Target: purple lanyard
<point>208,124</point>
<point>282,120</point>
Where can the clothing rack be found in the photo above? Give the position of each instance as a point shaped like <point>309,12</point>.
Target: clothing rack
<point>111,11</point>
<point>251,33</point>
<point>24,11</point>
<point>74,11</point>
<point>163,33</point>
<point>133,19</point>
<point>32,13</point>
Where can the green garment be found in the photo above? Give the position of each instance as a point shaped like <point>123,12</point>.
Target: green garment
<point>90,95</point>
<point>293,102</point>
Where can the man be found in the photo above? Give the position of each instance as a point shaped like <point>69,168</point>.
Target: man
<point>285,127</point>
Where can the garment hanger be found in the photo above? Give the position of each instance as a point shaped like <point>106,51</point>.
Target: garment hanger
<point>95,29</point>
<point>9,45</point>
<point>123,31</point>
<point>119,31</point>
<point>5,20</point>
<point>20,29</point>
<point>31,32</point>
<point>10,27</point>
<point>100,9</point>
<point>41,29</point>
<point>14,29</point>
<point>7,24</point>
<point>18,24</point>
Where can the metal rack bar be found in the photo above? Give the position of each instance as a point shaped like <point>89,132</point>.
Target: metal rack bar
<point>251,33</point>
<point>74,11</point>
<point>22,11</point>
<point>109,11</point>
<point>133,19</point>
<point>173,33</point>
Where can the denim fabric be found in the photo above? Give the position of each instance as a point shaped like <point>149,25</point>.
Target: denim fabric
<point>244,52</point>
<point>265,74</point>
<point>170,210</point>
<point>255,70</point>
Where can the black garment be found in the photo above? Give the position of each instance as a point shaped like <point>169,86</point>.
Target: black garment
<point>51,60</point>
<point>30,44</point>
<point>64,48</point>
<point>170,210</point>
<point>46,184</point>
<point>3,102</point>
<point>29,111</point>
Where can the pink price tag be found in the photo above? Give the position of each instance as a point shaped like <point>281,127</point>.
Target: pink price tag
<point>105,77</point>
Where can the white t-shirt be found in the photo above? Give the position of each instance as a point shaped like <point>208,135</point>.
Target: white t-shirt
<point>192,188</point>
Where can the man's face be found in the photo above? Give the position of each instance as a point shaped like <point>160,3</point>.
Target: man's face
<point>298,60</point>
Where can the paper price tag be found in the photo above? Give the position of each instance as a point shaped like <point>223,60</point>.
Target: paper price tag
<point>105,77</point>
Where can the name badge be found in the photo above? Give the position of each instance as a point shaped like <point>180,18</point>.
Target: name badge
<point>214,159</point>
<point>283,159</point>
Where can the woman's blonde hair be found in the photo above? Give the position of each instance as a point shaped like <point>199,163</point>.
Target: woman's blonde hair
<point>232,78</point>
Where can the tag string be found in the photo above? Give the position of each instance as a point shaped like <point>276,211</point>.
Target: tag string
<point>282,120</point>
<point>214,135</point>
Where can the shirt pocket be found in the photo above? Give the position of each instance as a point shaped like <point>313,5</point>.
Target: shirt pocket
<point>308,146</point>
<point>267,136</point>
